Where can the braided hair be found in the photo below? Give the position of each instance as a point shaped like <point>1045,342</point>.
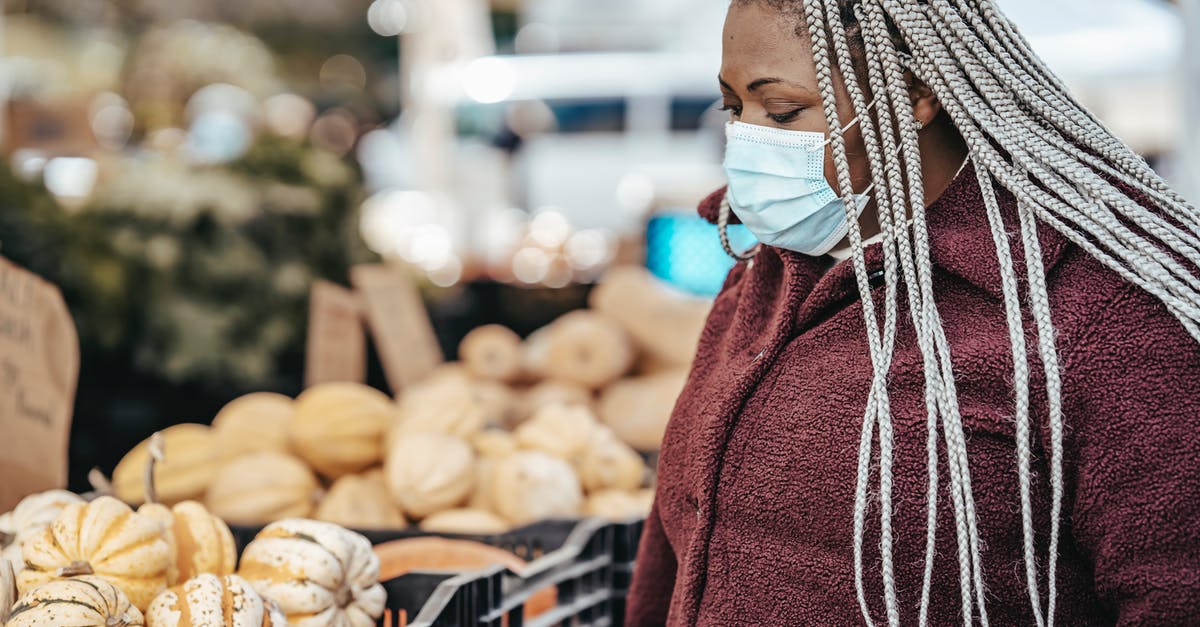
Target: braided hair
<point>1028,135</point>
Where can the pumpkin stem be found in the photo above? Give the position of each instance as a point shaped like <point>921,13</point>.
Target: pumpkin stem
<point>100,484</point>
<point>157,454</point>
<point>344,596</point>
<point>74,569</point>
<point>6,538</point>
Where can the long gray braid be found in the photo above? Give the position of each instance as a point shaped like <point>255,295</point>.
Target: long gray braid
<point>1027,134</point>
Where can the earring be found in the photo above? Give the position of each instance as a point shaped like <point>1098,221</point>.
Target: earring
<point>917,123</point>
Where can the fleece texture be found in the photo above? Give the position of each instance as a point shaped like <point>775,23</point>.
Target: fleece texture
<point>752,521</point>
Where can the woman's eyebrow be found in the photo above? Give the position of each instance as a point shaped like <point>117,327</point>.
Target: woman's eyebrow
<point>753,84</point>
<point>764,81</point>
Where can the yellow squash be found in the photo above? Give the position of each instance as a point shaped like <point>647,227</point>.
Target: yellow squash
<point>338,428</point>
<point>191,460</point>
<point>262,487</point>
<point>254,422</point>
<point>200,542</point>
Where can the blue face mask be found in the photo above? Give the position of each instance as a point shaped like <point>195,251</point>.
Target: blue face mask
<point>777,188</point>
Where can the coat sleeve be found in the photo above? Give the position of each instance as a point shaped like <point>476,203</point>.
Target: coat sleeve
<point>653,576</point>
<point>1132,397</point>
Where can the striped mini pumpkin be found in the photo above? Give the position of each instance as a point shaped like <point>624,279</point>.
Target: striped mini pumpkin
<point>84,600</point>
<point>211,601</point>
<point>322,575</point>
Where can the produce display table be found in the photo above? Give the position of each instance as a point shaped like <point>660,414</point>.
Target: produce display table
<point>588,562</point>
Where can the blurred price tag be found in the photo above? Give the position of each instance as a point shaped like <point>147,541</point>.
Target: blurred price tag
<point>39,367</point>
<point>399,323</point>
<point>337,342</point>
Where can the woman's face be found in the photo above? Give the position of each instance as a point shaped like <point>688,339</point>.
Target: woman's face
<point>768,78</point>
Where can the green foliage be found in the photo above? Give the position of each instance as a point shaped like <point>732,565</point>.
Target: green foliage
<point>196,274</point>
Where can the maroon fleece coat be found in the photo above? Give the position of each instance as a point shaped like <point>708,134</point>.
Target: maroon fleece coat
<point>752,523</point>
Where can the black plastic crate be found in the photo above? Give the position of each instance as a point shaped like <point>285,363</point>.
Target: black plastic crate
<point>588,561</point>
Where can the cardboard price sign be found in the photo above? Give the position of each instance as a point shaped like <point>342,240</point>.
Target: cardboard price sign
<point>337,343</point>
<point>399,323</point>
<point>39,367</point>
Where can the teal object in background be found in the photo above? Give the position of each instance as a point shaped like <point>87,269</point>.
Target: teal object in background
<point>684,250</point>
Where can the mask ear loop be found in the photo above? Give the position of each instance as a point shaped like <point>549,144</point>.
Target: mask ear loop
<point>723,231</point>
<point>850,125</point>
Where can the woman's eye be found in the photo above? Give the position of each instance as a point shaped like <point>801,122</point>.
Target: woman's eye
<point>784,118</point>
<point>735,110</point>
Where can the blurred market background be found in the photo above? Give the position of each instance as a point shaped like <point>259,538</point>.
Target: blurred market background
<point>186,170</point>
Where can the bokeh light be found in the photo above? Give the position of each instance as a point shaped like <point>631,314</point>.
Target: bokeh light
<point>550,228</point>
<point>391,218</point>
<point>70,178</point>
<point>387,17</point>
<point>111,120</point>
<point>217,137</point>
<point>289,115</point>
<point>489,80</point>
<point>343,71</point>
<point>335,131</point>
<point>531,265</point>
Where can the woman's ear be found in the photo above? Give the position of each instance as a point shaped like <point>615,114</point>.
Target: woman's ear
<point>925,105</point>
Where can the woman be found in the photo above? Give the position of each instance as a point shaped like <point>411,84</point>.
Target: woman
<point>1007,430</point>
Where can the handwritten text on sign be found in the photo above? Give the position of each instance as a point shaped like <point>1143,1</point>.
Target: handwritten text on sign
<point>39,364</point>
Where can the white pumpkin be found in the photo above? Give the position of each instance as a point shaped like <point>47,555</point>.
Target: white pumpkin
<point>444,407</point>
<point>494,443</point>
<point>10,549</point>
<point>530,485</point>
<point>499,402</point>
<point>582,347</point>
<point>466,521</point>
<point>638,409</point>
<point>490,445</point>
<point>105,538</point>
<point>8,590</point>
<point>429,472</point>
<point>210,601</point>
<point>564,431</point>
<point>616,505</point>
<point>360,502</point>
<point>492,352</point>
<point>320,574</point>
<point>608,463</point>
<point>80,601</point>
<point>28,518</point>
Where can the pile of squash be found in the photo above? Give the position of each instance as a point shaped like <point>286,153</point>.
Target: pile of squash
<point>104,563</point>
<point>516,431</point>
<point>351,455</point>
